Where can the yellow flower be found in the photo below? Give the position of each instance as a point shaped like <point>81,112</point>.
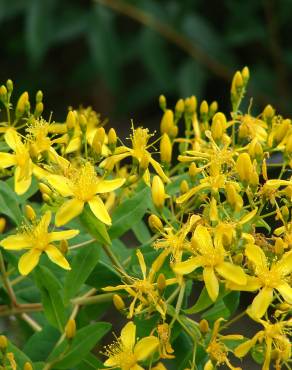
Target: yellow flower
<point>165,348</point>
<point>82,185</point>
<point>20,159</point>
<point>275,339</point>
<point>211,257</point>
<point>139,151</point>
<point>145,291</point>
<point>126,352</point>
<point>267,280</point>
<point>37,240</point>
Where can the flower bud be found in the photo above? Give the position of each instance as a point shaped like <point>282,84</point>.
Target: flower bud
<point>82,122</point>
<point>213,108</point>
<point>70,329</point>
<point>288,147</point>
<point>233,198</point>
<point>155,223</point>
<point>3,93</point>
<point>279,246</point>
<point>244,167</point>
<point>2,224</point>
<point>9,85</point>
<point>161,283</point>
<point>184,187</point>
<point>204,109</point>
<point>70,120</point>
<point>30,213</point>
<point>213,212</point>
<point>98,140</point>
<point>27,366</point>
<point>204,326</point>
<point>158,192</point>
<point>173,131</point>
<point>44,188</point>
<point>191,104</point>
<point>21,104</point>
<point>282,130</point>
<point>39,96</point>
<point>268,113</point>
<point>245,74</point>
<point>254,179</point>
<point>39,108</point>
<point>112,139</point>
<point>3,343</point>
<point>46,198</point>
<point>144,163</point>
<point>255,149</point>
<point>237,84</point>
<point>162,102</point>
<point>208,365</point>
<point>165,149</point>
<point>118,302</point>
<point>179,107</point>
<point>167,121</point>
<point>64,246</point>
<point>193,171</point>
<point>218,126</point>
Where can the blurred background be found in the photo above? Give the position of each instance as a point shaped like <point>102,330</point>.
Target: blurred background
<point>119,55</point>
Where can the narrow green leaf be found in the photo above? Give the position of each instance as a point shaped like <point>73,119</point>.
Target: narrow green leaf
<point>85,339</point>
<point>129,213</point>
<point>52,300</point>
<point>204,301</point>
<point>141,232</point>
<point>103,275</point>
<point>94,227</point>
<point>9,203</point>
<point>83,264</point>
<point>90,362</point>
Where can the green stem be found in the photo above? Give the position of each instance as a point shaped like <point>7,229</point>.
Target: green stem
<point>114,259</point>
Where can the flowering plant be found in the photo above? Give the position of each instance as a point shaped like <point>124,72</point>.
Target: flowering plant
<point>208,214</point>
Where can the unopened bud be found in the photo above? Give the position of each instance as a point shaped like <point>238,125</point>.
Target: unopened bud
<point>213,108</point>
<point>155,223</point>
<point>213,212</point>
<point>204,326</point>
<point>167,121</point>
<point>193,171</point>
<point>208,365</point>
<point>70,329</point>
<point>27,366</point>
<point>279,246</point>
<point>144,163</point>
<point>3,342</point>
<point>112,139</point>
<point>237,84</point>
<point>46,198</point>
<point>9,85</point>
<point>165,149</point>
<point>162,102</point>
<point>30,213</point>
<point>158,192</point>
<point>282,130</point>
<point>255,149</point>
<point>21,104</point>
<point>268,112</point>
<point>3,92</point>
<point>218,126</point>
<point>39,108</point>
<point>118,302</point>
<point>191,104</point>
<point>179,107</point>
<point>254,179</point>
<point>2,224</point>
<point>64,246</point>
<point>184,187</point>
<point>39,96</point>
<point>173,131</point>
<point>71,120</point>
<point>245,74</point>
<point>244,167</point>
<point>44,188</point>
<point>161,283</point>
<point>204,109</point>
<point>82,122</point>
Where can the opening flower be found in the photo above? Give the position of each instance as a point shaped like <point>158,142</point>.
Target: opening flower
<point>127,352</point>
<point>37,239</point>
<point>211,257</point>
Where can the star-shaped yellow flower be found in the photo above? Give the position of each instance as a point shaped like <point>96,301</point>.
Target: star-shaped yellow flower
<point>83,186</point>
<point>210,256</point>
<point>126,353</point>
<point>37,240</point>
<point>267,279</point>
<point>20,159</point>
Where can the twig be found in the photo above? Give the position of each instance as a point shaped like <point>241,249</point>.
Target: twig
<point>31,322</point>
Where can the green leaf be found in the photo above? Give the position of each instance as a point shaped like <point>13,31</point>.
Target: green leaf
<point>103,275</point>
<point>52,300</point>
<point>90,362</point>
<point>85,339</point>
<point>20,357</point>
<point>224,307</point>
<point>191,78</point>
<point>141,232</point>
<point>83,264</point>
<point>129,213</point>
<point>258,353</point>
<point>40,344</point>
<point>260,222</point>
<point>9,203</point>
<point>94,227</point>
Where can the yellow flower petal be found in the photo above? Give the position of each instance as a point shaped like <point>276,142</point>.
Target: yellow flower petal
<point>141,263</point>
<point>256,255</point>
<point>106,186</point>
<point>113,361</point>
<point>57,257</point>
<point>145,347</point>
<point>16,242</point>
<point>45,220</point>
<point>98,208</point>
<point>128,335</point>
<point>187,266</point>
<point>70,209</point>
<point>62,235</point>
<point>231,272</point>
<point>252,283</point>
<point>285,291</point>
<point>261,302</point>
<point>245,347</point>
<point>60,183</point>
<point>7,160</point>
<point>183,198</point>
<point>203,240</point>
<point>12,139</point>
<point>211,282</point>
<point>246,218</point>
<point>158,169</point>
<point>21,183</point>
<point>28,261</point>
<point>138,367</point>
<point>285,264</point>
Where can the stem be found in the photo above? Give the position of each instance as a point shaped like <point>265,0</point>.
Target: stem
<point>6,282</point>
<point>101,298</point>
<point>75,246</point>
<point>31,322</point>
<point>114,259</point>
<point>20,308</point>
<point>232,321</point>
